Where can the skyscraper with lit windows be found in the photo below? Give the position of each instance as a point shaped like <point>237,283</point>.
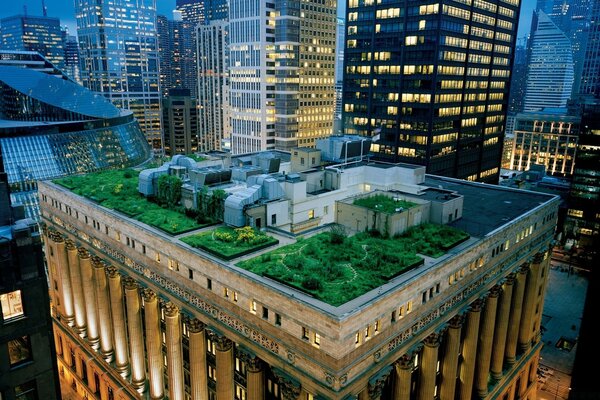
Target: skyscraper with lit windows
<point>119,57</point>
<point>30,33</point>
<point>433,79</point>
<point>282,64</point>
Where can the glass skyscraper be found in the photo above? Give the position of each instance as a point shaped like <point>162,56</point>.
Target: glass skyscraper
<point>29,33</point>
<point>177,55</point>
<point>119,57</point>
<point>433,80</point>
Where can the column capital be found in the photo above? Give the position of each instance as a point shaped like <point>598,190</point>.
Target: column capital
<point>432,340</point>
<point>510,279</point>
<point>83,253</point>
<point>98,262</point>
<point>476,305</point>
<point>377,383</point>
<point>171,310</point>
<point>290,388</point>
<point>456,321</point>
<point>148,295</point>
<point>54,235</point>
<point>130,283</point>
<point>524,267</point>
<point>70,244</point>
<point>223,343</point>
<point>495,291</point>
<point>195,325</point>
<point>405,361</point>
<point>113,272</point>
<point>539,257</point>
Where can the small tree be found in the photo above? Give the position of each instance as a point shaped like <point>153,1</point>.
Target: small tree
<point>169,190</point>
<point>337,234</point>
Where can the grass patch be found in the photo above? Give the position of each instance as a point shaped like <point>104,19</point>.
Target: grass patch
<point>118,190</point>
<point>228,243</point>
<point>339,272</point>
<point>383,203</point>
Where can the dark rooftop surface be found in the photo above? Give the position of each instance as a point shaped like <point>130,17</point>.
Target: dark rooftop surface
<point>487,207</point>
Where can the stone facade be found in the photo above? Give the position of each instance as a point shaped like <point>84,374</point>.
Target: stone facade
<point>467,323</point>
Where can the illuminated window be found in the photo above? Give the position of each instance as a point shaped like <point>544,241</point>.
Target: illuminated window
<point>11,305</point>
<point>317,339</point>
<point>311,214</point>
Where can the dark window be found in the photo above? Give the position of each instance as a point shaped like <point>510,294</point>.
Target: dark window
<point>209,283</point>
<point>190,273</point>
<point>265,313</point>
<point>26,391</point>
<point>277,319</point>
<point>273,219</point>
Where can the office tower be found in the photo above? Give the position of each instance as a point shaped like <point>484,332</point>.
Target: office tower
<point>52,127</point>
<point>29,33</point>
<point>465,321</point>
<point>27,357</point>
<point>433,79</point>
<point>550,72</point>
<point>518,80</point>
<point>192,11</point>
<point>213,86</point>
<point>176,52</point>
<point>72,58</point>
<point>119,57</point>
<point>545,138</point>
<point>180,119</point>
<point>590,77</point>
<point>281,74</point>
<point>583,219</point>
<point>339,75</point>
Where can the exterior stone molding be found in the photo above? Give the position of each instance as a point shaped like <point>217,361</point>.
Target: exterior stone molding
<point>148,295</point>
<point>195,325</point>
<point>495,291</point>
<point>290,388</point>
<point>405,361</point>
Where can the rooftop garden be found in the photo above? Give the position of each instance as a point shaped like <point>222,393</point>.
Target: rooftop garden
<point>383,203</point>
<point>335,268</point>
<point>228,243</point>
<point>118,190</point>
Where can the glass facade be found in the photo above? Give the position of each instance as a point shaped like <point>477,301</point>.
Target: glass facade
<point>433,80</point>
<point>119,57</point>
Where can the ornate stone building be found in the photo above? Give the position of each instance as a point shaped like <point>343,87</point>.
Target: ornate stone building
<point>139,314</point>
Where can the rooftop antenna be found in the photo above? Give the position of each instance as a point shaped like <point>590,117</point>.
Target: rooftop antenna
<point>44,10</point>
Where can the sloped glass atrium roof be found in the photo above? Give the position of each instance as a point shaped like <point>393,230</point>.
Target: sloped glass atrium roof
<point>57,92</point>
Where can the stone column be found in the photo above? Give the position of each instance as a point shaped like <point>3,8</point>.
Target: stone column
<point>502,318</point>
<point>364,394</point>
<point>256,386</point>
<point>64,276</point>
<point>88,295</point>
<point>428,367</point>
<point>153,345</point>
<point>290,388</point>
<point>103,306</point>
<point>377,383</point>
<point>199,381</point>
<point>514,320</point>
<point>402,382</point>
<point>69,257</point>
<point>450,360</point>
<point>531,294</point>
<point>118,319</point>
<point>224,361</point>
<point>486,337</point>
<point>174,352</point>
<point>467,370</point>
<point>136,338</point>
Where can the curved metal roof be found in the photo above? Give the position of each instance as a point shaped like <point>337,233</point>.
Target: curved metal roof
<point>57,92</point>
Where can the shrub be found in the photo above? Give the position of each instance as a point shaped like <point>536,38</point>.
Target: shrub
<point>337,234</point>
<point>312,283</point>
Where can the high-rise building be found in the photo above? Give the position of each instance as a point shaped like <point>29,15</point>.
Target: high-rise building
<point>590,77</point>
<point>434,80</point>
<point>192,11</point>
<point>548,139</point>
<point>213,86</point>
<point>339,74</point>
<point>31,60</point>
<point>550,69</point>
<point>153,312</point>
<point>30,33</point>
<point>180,119</point>
<point>282,67</point>
<point>518,80</point>
<point>119,57</point>
<point>72,58</point>
<point>28,367</point>
<point>52,127</point>
<point>176,52</point>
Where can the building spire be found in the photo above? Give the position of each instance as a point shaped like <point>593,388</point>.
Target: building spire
<point>44,10</point>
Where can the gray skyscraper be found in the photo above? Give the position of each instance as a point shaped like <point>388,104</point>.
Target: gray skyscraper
<point>550,71</point>
<point>590,77</point>
<point>29,33</point>
<point>433,79</point>
<point>119,57</point>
